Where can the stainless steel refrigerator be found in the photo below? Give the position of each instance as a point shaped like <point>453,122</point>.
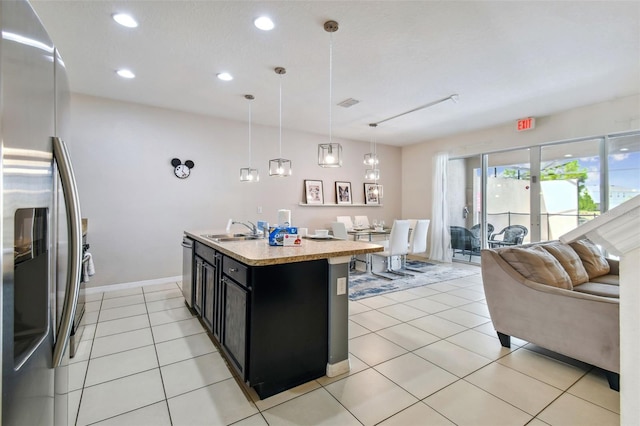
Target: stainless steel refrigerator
<point>41,227</point>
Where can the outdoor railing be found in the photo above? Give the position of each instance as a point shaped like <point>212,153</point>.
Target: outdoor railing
<point>504,219</point>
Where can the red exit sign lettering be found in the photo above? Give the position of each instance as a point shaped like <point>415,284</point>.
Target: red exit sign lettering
<point>526,124</point>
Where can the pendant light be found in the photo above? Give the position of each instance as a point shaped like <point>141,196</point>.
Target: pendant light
<point>280,167</point>
<point>378,190</point>
<point>330,154</point>
<point>371,159</point>
<point>373,173</point>
<point>248,174</point>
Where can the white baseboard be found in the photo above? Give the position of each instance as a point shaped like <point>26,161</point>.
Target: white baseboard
<point>341,367</point>
<point>134,284</point>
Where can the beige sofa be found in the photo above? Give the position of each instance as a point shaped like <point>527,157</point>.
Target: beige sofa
<point>562,297</point>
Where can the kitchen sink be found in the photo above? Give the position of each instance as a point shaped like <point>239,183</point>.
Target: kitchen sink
<point>230,237</point>
<point>242,238</point>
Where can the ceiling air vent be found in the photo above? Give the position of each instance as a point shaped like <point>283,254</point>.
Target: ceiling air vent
<point>348,103</point>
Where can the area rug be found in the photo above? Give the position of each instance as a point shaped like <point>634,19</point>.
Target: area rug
<point>363,285</point>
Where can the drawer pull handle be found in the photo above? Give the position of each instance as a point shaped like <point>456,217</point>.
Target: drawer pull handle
<point>233,269</point>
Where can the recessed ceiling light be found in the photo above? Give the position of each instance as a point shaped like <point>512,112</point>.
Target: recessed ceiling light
<point>568,155</point>
<point>624,149</point>
<point>264,23</point>
<point>125,20</point>
<point>125,74</point>
<point>224,76</point>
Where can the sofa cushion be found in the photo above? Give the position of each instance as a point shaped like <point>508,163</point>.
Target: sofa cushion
<point>610,279</point>
<point>569,260</point>
<point>592,259</point>
<point>599,289</point>
<point>536,264</point>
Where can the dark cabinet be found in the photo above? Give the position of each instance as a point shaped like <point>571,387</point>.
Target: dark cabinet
<point>234,338</point>
<point>207,286</point>
<point>271,322</point>
<point>209,299</point>
<point>288,330</point>
<point>198,267</point>
<point>235,279</point>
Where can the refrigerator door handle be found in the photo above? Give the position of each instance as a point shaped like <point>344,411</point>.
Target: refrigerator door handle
<point>72,204</point>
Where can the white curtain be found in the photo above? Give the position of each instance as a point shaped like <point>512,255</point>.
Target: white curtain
<point>440,237</point>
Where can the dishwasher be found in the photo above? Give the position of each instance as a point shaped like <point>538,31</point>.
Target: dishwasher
<point>187,270</point>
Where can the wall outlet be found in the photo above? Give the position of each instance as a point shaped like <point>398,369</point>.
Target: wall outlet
<point>342,286</point>
<point>259,209</point>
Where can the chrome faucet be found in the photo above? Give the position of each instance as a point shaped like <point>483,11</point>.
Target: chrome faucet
<point>252,227</point>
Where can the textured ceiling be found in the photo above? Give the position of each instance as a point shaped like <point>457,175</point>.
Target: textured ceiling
<point>505,59</point>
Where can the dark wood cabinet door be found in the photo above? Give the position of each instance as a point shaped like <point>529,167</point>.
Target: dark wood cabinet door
<point>198,284</point>
<point>208,308</point>
<point>218,304</point>
<point>234,337</point>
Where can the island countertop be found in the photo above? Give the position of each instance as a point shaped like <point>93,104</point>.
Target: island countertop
<point>260,253</point>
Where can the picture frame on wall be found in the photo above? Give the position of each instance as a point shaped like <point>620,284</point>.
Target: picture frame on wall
<point>370,197</point>
<point>343,193</point>
<point>313,191</point>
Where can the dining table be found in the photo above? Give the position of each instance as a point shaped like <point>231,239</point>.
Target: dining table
<point>368,232</point>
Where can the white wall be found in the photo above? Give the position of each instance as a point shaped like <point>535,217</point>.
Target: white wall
<point>138,209</point>
<point>607,117</point>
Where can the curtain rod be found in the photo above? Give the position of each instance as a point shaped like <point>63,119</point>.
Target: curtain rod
<point>453,98</point>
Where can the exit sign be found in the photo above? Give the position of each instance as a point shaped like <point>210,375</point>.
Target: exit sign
<point>526,124</point>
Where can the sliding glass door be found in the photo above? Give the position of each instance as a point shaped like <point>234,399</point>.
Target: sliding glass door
<point>539,193</point>
<point>465,208</point>
<point>508,197</point>
<point>570,180</point>
<point>623,175</point>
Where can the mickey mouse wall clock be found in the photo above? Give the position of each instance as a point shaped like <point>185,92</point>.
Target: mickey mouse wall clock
<point>182,171</point>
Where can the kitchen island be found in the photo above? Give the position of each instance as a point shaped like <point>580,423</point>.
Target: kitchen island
<point>279,314</point>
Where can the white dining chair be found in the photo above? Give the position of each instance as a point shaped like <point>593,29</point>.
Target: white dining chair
<point>339,230</point>
<point>347,221</point>
<point>397,246</point>
<point>418,240</point>
<point>362,221</point>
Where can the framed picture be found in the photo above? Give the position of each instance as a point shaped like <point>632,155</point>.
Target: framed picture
<point>313,191</point>
<point>370,196</point>
<point>343,192</point>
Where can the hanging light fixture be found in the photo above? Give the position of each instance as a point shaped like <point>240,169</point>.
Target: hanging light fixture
<point>373,172</point>
<point>330,154</point>
<point>371,159</point>
<point>378,190</point>
<point>248,174</point>
<point>280,166</point>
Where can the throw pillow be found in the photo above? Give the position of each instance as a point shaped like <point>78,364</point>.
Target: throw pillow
<point>569,260</point>
<point>592,259</point>
<point>536,264</point>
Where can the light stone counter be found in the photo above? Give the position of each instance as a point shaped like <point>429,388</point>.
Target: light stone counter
<point>260,253</point>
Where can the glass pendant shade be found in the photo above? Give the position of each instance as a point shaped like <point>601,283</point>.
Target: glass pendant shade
<point>372,174</point>
<point>248,174</point>
<point>379,190</point>
<point>371,159</point>
<point>330,155</point>
<point>280,167</point>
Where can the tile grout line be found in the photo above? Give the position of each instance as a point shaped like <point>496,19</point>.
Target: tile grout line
<point>128,375</point>
<point>155,350</point>
<point>492,361</point>
<point>88,363</point>
<point>368,367</point>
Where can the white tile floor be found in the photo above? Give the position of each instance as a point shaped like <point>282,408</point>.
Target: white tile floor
<point>424,356</point>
